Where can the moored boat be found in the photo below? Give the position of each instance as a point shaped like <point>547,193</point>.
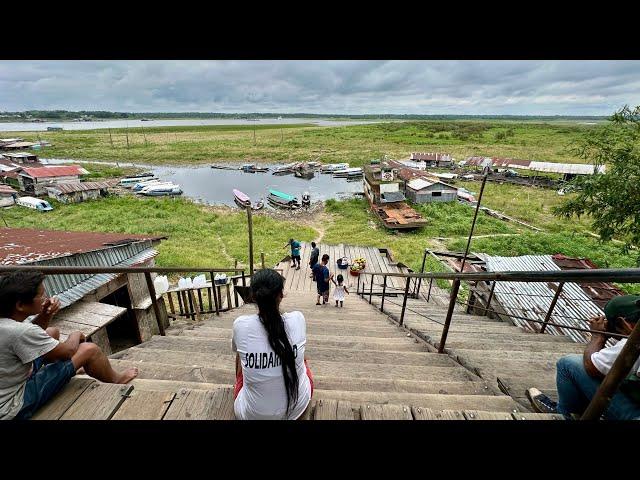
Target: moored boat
<point>285,169</point>
<point>282,200</point>
<point>130,181</point>
<point>162,189</point>
<point>243,200</point>
<point>333,167</point>
<point>348,173</point>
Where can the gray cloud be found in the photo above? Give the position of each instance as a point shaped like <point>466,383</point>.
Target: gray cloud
<point>338,86</point>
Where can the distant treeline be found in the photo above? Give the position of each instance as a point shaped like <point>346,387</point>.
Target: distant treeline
<point>69,115</point>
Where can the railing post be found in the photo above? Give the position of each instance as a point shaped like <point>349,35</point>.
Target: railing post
<point>493,287</point>
<point>215,295</point>
<point>424,260</point>
<point>620,369</point>
<point>430,285</point>
<point>384,289</point>
<point>154,302</point>
<point>404,302</point>
<point>371,289</point>
<point>551,307</point>
<point>235,293</point>
<point>262,260</point>
<point>447,322</point>
<point>358,287</point>
<point>244,281</point>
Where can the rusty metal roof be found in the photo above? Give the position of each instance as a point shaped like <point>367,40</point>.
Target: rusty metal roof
<point>79,186</point>
<point>57,171</point>
<point>6,189</point>
<point>533,299</point>
<point>600,292</point>
<point>430,156</point>
<point>26,245</point>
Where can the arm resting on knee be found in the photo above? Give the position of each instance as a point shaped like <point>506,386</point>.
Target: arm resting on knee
<point>65,350</point>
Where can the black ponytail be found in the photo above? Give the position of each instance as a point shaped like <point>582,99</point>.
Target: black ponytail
<point>266,286</point>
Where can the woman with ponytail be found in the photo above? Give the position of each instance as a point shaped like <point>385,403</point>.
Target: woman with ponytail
<point>273,381</point>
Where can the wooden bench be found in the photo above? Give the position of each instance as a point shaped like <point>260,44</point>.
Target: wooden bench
<point>90,318</point>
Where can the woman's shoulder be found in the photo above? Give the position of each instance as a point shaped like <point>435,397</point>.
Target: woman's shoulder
<point>294,316</point>
<point>243,320</point>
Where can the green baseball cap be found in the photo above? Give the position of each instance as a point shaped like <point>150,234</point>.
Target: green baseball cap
<point>627,306</point>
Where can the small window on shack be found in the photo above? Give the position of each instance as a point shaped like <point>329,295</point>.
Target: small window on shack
<point>436,194</point>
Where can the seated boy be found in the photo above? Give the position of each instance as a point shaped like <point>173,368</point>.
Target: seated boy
<point>34,365</point>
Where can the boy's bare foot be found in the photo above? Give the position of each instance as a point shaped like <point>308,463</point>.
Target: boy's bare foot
<point>128,375</point>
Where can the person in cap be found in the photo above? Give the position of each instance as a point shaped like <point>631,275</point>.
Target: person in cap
<point>578,377</point>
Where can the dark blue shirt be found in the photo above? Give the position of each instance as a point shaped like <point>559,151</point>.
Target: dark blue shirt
<point>321,274</point>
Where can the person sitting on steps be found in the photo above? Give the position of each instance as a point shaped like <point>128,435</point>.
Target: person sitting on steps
<point>273,379</point>
<point>578,377</point>
<point>34,364</point>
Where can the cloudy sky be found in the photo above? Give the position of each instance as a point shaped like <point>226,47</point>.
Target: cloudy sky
<point>346,87</point>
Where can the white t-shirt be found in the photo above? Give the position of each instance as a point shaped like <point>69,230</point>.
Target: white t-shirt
<point>603,359</point>
<point>263,395</point>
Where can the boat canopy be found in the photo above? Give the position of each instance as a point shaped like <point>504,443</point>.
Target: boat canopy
<point>284,196</point>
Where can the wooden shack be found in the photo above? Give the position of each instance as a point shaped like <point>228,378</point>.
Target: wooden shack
<point>78,191</point>
<point>113,310</point>
<point>22,158</point>
<point>422,190</point>
<point>36,180</point>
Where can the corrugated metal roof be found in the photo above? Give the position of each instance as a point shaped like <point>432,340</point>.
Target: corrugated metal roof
<point>79,186</point>
<point>570,168</point>
<point>533,299</point>
<point>71,288</point>
<point>24,245</point>
<point>419,184</point>
<point>19,145</point>
<point>53,171</point>
<point>7,189</point>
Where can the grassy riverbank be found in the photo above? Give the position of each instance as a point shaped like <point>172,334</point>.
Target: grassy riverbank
<point>356,144</point>
<point>205,236</point>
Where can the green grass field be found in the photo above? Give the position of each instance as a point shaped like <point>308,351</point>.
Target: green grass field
<point>356,144</point>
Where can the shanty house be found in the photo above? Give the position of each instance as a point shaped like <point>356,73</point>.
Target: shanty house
<point>7,196</point>
<point>17,145</point>
<point>22,158</point>
<point>36,180</point>
<point>113,310</point>
<point>422,190</point>
<point>433,159</point>
<point>78,191</point>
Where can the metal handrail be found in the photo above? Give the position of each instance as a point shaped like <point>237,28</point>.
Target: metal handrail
<point>630,275</point>
<point>620,368</point>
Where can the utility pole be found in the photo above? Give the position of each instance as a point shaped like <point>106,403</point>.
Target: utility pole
<point>475,216</point>
<point>250,223</point>
<point>110,137</point>
<point>254,133</point>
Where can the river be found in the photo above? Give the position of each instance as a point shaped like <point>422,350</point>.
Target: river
<point>39,127</point>
<point>214,187</point>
